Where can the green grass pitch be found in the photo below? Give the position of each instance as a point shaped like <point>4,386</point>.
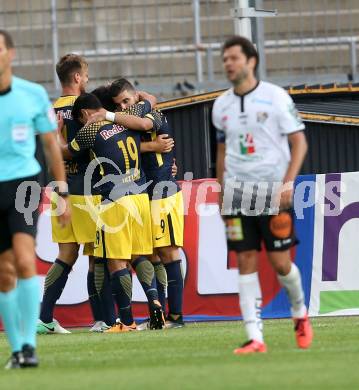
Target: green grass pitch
<point>198,356</point>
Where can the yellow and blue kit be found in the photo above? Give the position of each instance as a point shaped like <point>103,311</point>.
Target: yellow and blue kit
<point>165,194</point>
<point>124,221</point>
<point>82,228</point>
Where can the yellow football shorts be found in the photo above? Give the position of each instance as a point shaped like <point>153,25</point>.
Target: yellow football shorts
<point>82,228</point>
<point>167,221</point>
<point>89,249</point>
<point>124,228</point>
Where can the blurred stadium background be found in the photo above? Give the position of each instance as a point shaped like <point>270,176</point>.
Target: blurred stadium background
<point>172,47</point>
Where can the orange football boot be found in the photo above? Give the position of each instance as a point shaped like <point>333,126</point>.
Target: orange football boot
<point>119,327</point>
<point>251,346</point>
<point>303,332</point>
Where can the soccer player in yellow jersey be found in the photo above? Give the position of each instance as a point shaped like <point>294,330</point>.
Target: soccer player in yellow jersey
<point>124,221</point>
<point>166,201</point>
<point>160,144</point>
<point>72,71</point>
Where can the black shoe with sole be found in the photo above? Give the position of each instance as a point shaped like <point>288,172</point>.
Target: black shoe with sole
<point>174,321</point>
<point>29,357</point>
<point>157,319</point>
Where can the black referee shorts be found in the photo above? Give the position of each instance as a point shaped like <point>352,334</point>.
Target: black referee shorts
<point>246,232</point>
<point>15,214</point>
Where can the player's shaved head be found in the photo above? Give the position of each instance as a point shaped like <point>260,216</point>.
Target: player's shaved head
<point>8,41</point>
<point>86,101</point>
<point>121,85</point>
<point>68,66</point>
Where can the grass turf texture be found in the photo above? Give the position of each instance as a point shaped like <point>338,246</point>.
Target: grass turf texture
<point>198,356</point>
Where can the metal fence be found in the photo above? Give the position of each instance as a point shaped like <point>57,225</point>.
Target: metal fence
<point>312,41</point>
<point>172,47</point>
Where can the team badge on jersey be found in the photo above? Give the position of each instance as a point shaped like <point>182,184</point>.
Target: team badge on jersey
<point>262,117</point>
<point>20,132</point>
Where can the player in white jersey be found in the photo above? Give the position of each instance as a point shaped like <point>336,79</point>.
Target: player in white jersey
<point>256,121</point>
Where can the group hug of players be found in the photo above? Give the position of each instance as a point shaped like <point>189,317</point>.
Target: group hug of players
<point>126,207</point>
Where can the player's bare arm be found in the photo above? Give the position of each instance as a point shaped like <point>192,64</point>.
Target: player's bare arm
<point>121,118</point>
<point>221,152</point>
<point>174,168</point>
<point>299,149</point>
<point>65,152</point>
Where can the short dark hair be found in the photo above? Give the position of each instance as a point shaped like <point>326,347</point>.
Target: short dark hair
<point>120,85</point>
<point>83,102</point>
<point>103,95</point>
<point>9,42</point>
<point>68,65</point>
<point>246,45</point>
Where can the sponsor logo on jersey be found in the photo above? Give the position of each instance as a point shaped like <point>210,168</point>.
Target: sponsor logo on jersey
<point>234,230</point>
<point>106,134</point>
<point>243,117</point>
<point>262,101</point>
<point>281,225</point>
<point>66,114</point>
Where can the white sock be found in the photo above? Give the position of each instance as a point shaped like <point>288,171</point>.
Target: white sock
<point>250,301</point>
<point>292,283</point>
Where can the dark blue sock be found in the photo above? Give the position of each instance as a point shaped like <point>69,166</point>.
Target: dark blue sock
<point>55,282</point>
<point>175,287</point>
<point>107,300</point>
<point>161,281</point>
<point>122,291</point>
<point>146,276</point>
<point>104,291</point>
<point>94,298</point>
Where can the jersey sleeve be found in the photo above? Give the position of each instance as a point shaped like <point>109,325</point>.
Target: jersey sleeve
<point>217,123</point>
<point>157,119</point>
<point>288,116</point>
<point>220,136</point>
<point>140,109</point>
<point>45,120</point>
<point>85,139</point>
